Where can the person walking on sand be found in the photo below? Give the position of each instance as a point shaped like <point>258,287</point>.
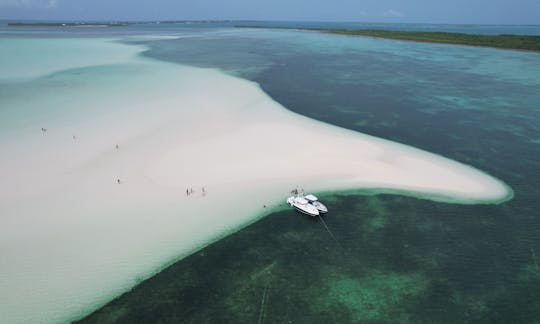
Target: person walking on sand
<point>187,192</point>
<point>117,146</point>
<point>203,191</point>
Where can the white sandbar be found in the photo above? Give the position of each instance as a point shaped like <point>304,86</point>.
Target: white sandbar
<point>72,238</point>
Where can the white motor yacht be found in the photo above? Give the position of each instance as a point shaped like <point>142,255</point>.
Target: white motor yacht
<point>302,205</point>
<point>313,200</point>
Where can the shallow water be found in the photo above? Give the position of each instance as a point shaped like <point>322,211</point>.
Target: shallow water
<point>398,258</point>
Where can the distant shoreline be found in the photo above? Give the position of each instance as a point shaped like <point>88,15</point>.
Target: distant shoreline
<point>105,23</point>
<point>514,42</point>
<point>64,24</point>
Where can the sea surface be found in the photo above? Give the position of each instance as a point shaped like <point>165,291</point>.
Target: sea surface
<point>387,258</point>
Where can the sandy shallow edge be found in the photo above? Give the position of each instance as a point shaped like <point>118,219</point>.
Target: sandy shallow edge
<point>73,238</point>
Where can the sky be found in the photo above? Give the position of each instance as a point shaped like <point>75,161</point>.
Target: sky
<point>394,11</point>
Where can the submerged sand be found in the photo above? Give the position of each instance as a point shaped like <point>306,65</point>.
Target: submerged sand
<point>72,237</point>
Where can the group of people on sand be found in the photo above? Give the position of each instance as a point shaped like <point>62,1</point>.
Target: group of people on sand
<point>190,191</point>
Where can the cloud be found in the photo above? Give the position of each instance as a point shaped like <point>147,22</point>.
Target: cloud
<point>393,13</point>
<point>29,3</point>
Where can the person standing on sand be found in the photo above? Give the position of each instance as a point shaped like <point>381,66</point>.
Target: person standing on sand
<point>187,192</point>
<point>203,191</point>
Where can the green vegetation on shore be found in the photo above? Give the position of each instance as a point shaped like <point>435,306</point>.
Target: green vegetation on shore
<point>517,42</point>
<point>520,42</point>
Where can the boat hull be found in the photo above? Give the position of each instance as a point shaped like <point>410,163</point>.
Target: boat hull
<point>320,207</point>
<point>309,213</point>
<point>303,206</point>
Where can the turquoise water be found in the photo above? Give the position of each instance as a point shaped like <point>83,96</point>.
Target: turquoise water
<point>396,259</point>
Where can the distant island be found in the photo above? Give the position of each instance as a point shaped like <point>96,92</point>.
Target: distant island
<point>516,42</point>
<point>67,24</point>
<point>106,23</point>
<point>520,42</point>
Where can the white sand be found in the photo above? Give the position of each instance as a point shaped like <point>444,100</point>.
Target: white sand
<point>71,238</point>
